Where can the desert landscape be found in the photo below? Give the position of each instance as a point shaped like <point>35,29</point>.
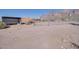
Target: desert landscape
<point>58,30</point>
<point>56,35</point>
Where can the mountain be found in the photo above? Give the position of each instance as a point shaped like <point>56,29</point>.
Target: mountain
<point>65,15</point>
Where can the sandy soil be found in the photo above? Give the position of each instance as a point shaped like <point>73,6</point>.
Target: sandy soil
<point>37,36</point>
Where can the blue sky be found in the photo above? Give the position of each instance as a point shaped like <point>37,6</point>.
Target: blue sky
<point>33,13</point>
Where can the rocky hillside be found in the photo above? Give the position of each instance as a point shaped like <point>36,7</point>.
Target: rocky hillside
<point>65,15</point>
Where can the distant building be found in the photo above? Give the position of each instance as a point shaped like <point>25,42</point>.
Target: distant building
<point>16,20</point>
<point>11,20</point>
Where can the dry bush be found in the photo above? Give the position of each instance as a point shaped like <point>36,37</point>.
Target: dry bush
<point>3,25</point>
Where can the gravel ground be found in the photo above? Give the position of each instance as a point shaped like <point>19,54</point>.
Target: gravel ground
<point>53,36</point>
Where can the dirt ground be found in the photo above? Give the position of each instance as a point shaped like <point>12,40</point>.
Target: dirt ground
<point>46,36</point>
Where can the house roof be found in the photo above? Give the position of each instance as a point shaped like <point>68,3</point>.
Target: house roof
<point>11,17</point>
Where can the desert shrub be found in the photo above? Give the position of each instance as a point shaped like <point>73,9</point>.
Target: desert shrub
<point>3,25</point>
